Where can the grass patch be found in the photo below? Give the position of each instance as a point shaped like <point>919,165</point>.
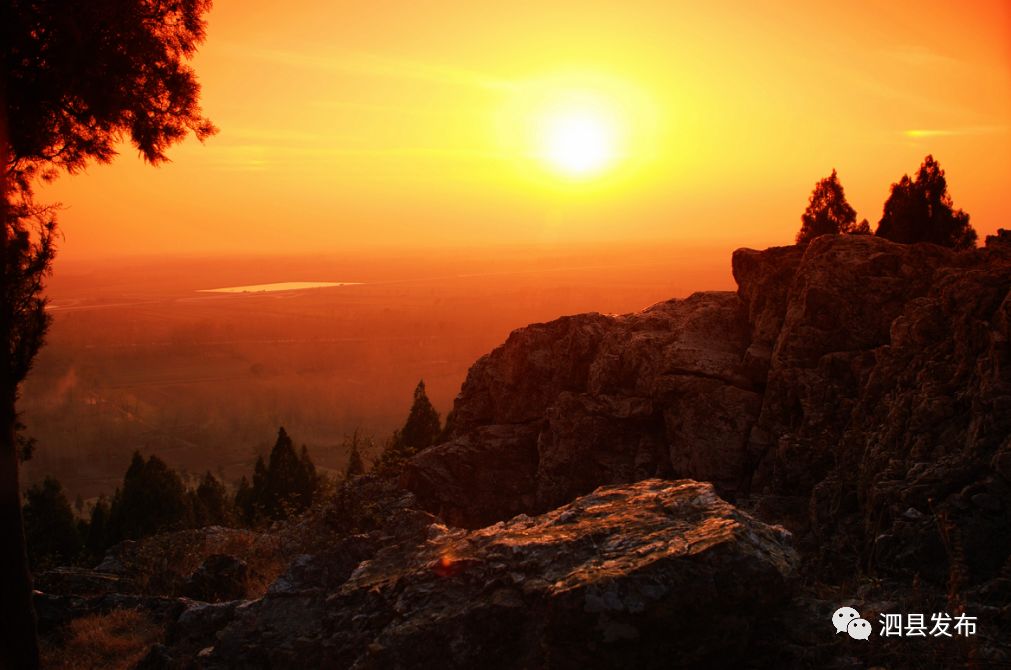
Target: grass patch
<point>117,640</point>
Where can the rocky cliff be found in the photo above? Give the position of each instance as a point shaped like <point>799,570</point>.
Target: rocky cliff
<point>700,484</point>
<point>856,389</point>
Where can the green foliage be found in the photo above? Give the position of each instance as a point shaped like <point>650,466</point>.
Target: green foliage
<point>422,429</point>
<point>51,529</point>
<point>827,211</point>
<point>285,486</point>
<point>153,499</point>
<point>920,210</point>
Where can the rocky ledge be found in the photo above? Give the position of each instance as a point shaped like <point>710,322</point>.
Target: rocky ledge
<point>625,576</point>
<point>855,389</point>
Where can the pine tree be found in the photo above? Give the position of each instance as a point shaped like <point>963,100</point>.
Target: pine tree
<point>285,485</point>
<point>423,425</point>
<point>283,477</point>
<point>827,211</point>
<point>211,505</point>
<point>50,526</point>
<point>96,538</point>
<point>421,430</point>
<point>152,500</point>
<point>355,466</point>
<point>76,80</point>
<point>244,502</point>
<point>921,210</point>
<point>307,481</point>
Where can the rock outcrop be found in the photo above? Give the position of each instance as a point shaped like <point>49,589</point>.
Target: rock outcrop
<point>856,389</point>
<point>644,575</point>
<point>566,406</point>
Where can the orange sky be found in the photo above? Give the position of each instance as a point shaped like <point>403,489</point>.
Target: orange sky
<point>347,125</point>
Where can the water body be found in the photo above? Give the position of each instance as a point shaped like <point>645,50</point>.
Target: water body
<point>278,286</point>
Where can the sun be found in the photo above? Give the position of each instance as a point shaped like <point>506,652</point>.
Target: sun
<point>575,131</point>
<point>578,142</point>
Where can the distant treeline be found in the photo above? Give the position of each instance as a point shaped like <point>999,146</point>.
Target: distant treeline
<point>153,498</point>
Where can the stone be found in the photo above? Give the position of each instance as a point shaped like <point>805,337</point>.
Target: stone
<point>564,407</point>
<point>219,578</point>
<point>627,575</point>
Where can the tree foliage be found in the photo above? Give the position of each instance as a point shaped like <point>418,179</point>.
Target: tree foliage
<point>211,504</point>
<point>827,211</point>
<point>422,429</point>
<point>52,531</point>
<point>97,535</point>
<point>81,76</point>
<point>152,500</point>
<point>355,466</point>
<point>76,78</point>
<point>283,486</point>
<point>921,210</point>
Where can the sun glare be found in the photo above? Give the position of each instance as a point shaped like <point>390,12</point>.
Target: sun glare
<point>576,130</point>
<point>578,143</point>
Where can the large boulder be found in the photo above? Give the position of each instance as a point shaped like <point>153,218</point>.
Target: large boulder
<point>641,575</point>
<point>219,578</point>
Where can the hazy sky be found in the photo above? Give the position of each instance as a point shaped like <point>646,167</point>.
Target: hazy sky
<point>361,124</point>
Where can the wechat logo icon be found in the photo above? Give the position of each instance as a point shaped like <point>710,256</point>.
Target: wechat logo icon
<point>847,620</point>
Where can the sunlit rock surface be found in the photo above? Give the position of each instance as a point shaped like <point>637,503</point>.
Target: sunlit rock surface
<point>642,575</point>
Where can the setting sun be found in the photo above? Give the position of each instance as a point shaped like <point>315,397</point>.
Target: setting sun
<point>578,143</point>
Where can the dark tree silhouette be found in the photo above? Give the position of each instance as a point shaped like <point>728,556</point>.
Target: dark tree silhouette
<point>244,500</point>
<point>283,486</point>
<point>75,78</point>
<point>422,429</point>
<point>423,425</point>
<point>50,527</point>
<point>211,505</point>
<point>827,211</point>
<point>920,210</point>
<point>355,466</point>
<point>152,500</point>
<point>96,536</point>
<point>284,475</point>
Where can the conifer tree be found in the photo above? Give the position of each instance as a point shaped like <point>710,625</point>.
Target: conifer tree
<point>421,430</point>
<point>76,79</point>
<point>355,466</point>
<point>211,505</point>
<point>921,210</point>
<point>283,486</point>
<point>152,500</point>
<point>827,211</point>
<point>50,526</point>
<point>96,537</point>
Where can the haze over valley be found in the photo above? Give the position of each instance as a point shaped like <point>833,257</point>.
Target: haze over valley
<point>141,356</point>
